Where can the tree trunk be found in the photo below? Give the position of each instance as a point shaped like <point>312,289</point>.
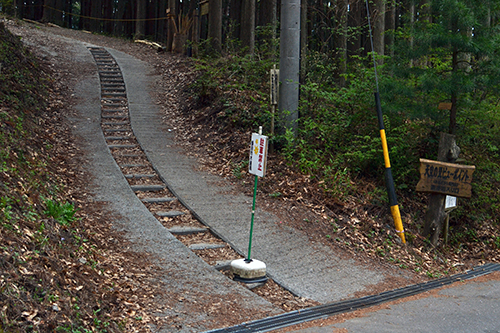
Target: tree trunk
<point>235,18</point>
<point>58,13</point>
<point>140,24</point>
<point>320,8</point>
<point>448,151</point>
<point>412,26</point>
<point>426,11</point>
<point>17,8</point>
<point>248,25</point>
<point>162,25</point>
<point>267,13</point>
<point>454,97</point>
<point>379,28</point>
<point>303,40</point>
<point>390,27</point>
<point>69,11</point>
<point>196,33</point>
<point>118,27</point>
<point>47,10</point>
<point>215,25</point>
<point>357,13</point>
<point>268,20</point>
<point>108,14</point>
<point>38,10</point>
<point>96,14</point>
<point>341,40</point>
<point>172,12</point>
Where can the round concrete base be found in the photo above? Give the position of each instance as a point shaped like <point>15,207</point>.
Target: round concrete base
<point>248,271</point>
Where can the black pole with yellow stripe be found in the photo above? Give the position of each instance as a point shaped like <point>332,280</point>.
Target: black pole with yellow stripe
<point>389,182</point>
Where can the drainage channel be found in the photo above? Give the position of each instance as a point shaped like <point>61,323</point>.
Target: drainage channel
<point>323,311</point>
<point>143,177</point>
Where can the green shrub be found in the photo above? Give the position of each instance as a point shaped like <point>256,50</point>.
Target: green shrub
<point>62,213</point>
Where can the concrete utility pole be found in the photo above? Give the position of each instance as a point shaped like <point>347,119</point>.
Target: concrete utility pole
<point>289,63</point>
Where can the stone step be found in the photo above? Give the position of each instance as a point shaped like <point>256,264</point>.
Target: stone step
<point>110,99</point>
<point>158,200</point>
<point>121,146</point>
<point>111,76</point>
<point>113,94</point>
<point>113,89</point>
<point>113,110</point>
<point>112,80</point>
<point>116,124</point>
<point>170,213</point>
<point>118,137</point>
<point>114,117</point>
<point>131,155</point>
<point>114,130</point>
<point>108,85</point>
<point>186,230</point>
<point>109,73</point>
<point>206,246</point>
<point>115,106</point>
<point>133,165</point>
<point>139,176</point>
<point>147,188</point>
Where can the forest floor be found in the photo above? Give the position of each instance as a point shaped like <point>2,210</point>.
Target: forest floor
<point>352,228</point>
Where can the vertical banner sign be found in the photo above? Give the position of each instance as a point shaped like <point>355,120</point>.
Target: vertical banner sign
<point>258,155</point>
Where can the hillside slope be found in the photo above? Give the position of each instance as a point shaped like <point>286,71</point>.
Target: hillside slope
<point>62,267</point>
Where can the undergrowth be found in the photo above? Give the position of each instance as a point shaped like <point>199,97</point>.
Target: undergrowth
<point>39,233</point>
<point>338,149</point>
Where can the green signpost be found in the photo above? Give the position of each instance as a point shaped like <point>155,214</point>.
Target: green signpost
<point>250,270</point>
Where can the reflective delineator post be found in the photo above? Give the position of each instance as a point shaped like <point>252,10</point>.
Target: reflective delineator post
<point>389,182</point>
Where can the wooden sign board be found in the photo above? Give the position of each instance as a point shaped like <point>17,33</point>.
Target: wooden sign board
<point>445,178</point>
<point>204,7</point>
<point>444,106</point>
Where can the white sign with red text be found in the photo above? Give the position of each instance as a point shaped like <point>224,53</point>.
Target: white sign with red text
<point>258,155</point>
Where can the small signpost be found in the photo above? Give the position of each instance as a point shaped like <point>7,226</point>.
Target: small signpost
<point>274,81</point>
<point>450,179</point>
<point>450,203</point>
<point>274,85</point>
<point>250,270</point>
